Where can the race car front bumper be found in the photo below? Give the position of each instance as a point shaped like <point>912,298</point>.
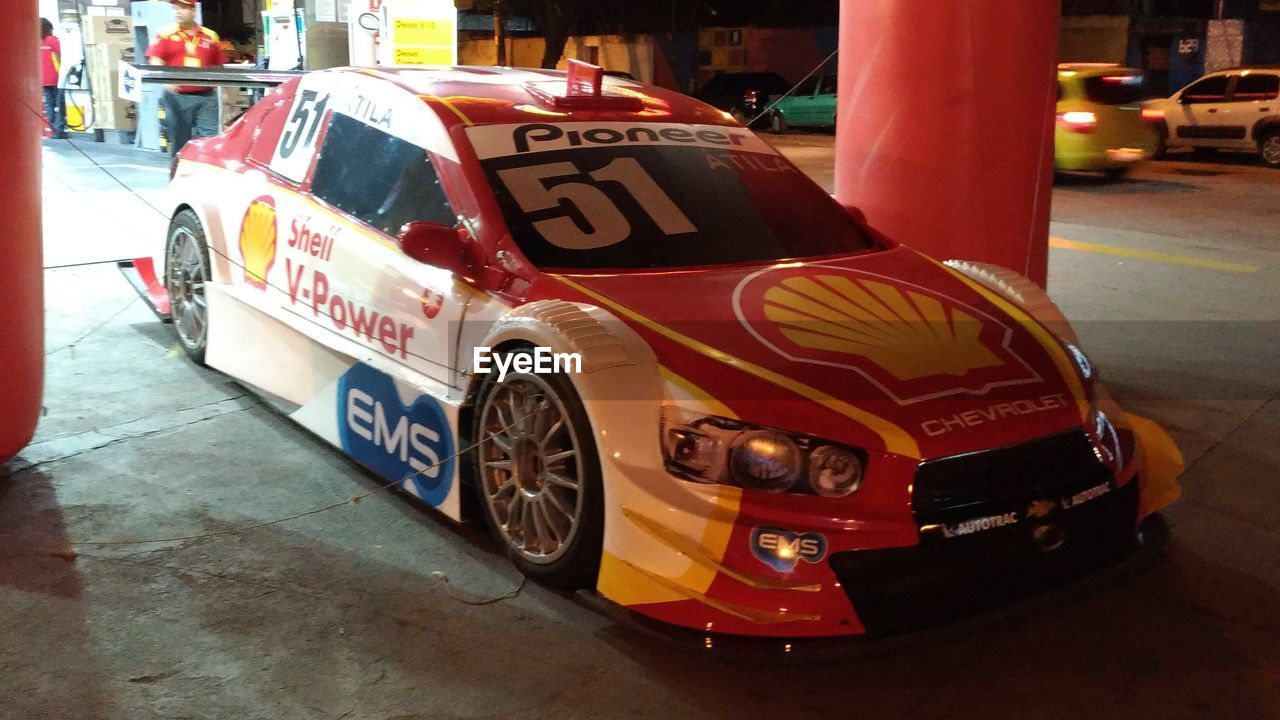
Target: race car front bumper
<point>930,542</point>
<point>945,578</point>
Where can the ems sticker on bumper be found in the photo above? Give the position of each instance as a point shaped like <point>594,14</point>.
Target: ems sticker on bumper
<point>781,549</point>
<point>411,443</point>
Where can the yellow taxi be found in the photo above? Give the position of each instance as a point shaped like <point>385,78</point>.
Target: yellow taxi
<point>1100,124</point>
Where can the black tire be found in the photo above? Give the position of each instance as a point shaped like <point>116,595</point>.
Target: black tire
<point>777,123</point>
<point>535,481</point>
<point>1269,148</point>
<point>1116,174</point>
<point>186,271</point>
<point>1162,146</point>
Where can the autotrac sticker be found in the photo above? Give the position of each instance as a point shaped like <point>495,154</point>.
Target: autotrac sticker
<point>1037,510</point>
<point>398,441</point>
<point>493,141</point>
<point>781,549</point>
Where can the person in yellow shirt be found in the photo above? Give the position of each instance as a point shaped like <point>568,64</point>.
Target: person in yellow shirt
<point>190,110</point>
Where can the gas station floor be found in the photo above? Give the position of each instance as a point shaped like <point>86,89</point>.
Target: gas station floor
<point>366,611</point>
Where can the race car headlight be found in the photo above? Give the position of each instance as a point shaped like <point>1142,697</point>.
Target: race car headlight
<point>834,471</point>
<point>765,460</point>
<point>715,449</point>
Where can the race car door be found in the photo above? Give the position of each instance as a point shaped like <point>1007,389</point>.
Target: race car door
<point>375,172</point>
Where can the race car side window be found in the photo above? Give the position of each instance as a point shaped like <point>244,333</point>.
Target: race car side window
<point>378,178</point>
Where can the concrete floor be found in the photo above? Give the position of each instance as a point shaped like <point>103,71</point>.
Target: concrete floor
<point>363,611</point>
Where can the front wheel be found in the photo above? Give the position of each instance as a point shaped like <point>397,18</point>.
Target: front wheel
<point>1269,147</point>
<point>538,477</point>
<point>777,123</point>
<point>1161,150</point>
<point>186,272</point>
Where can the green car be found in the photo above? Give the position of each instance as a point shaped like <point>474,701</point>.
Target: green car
<point>812,104</point>
<point>1100,124</point>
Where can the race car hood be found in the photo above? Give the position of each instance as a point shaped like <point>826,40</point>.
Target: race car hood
<point>888,350</point>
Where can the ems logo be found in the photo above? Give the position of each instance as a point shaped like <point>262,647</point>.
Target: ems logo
<point>258,240</point>
<point>911,342</point>
<point>400,442</point>
<point>781,549</point>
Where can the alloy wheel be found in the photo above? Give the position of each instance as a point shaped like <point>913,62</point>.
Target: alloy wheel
<point>530,473</point>
<point>1271,150</point>
<point>185,278</point>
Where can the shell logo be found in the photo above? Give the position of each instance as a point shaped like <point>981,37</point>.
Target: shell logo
<point>910,335</point>
<point>258,240</point>
<point>913,343</point>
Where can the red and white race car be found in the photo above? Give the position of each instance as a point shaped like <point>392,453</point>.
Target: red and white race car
<point>666,364</point>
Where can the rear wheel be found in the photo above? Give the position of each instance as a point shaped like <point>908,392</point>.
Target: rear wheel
<point>186,272</point>
<point>1269,147</point>
<point>538,477</point>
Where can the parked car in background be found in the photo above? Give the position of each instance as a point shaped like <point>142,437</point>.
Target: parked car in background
<point>1237,109</point>
<point>742,95</point>
<point>1100,124</point>
<point>813,104</point>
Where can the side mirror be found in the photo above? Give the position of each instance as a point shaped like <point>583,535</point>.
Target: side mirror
<point>1184,99</point>
<point>437,245</point>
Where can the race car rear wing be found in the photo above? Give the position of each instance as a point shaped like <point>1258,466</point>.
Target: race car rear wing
<point>227,76</point>
<point>142,273</point>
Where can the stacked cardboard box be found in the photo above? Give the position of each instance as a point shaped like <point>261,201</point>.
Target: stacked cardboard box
<point>109,42</point>
<point>107,30</point>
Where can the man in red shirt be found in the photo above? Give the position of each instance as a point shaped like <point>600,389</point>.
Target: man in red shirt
<point>50,64</point>
<point>189,110</point>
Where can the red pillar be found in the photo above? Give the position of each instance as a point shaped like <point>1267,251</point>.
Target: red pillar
<point>945,125</point>
<point>22,286</point>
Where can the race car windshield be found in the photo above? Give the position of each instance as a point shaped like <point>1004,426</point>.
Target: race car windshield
<point>651,195</point>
